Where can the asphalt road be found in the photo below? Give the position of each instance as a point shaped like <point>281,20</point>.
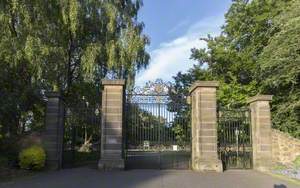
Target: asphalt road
<point>89,178</point>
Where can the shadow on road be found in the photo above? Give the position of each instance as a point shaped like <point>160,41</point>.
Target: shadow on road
<point>280,186</point>
<point>89,177</point>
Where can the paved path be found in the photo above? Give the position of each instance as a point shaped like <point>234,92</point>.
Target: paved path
<point>90,178</point>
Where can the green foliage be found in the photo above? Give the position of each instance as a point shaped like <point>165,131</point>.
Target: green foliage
<point>257,52</point>
<point>65,46</point>
<point>280,166</point>
<point>32,158</point>
<point>280,71</point>
<point>235,94</point>
<point>179,134</point>
<point>296,162</point>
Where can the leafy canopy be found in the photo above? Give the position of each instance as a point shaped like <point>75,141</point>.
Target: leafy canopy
<point>66,46</point>
<point>257,52</point>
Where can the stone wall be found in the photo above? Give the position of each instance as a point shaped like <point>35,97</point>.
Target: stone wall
<point>285,148</point>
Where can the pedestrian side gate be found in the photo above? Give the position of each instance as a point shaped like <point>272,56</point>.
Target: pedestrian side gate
<point>81,142</point>
<point>234,138</point>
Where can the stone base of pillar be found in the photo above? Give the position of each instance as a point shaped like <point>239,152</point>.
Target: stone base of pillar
<point>111,164</point>
<point>203,165</point>
<point>262,169</point>
<point>262,165</point>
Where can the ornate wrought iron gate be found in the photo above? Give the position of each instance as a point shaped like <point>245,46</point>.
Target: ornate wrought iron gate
<point>81,135</point>
<point>234,138</point>
<point>157,129</point>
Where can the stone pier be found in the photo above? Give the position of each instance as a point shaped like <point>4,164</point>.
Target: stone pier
<point>261,131</point>
<point>204,127</point>
<point>112,125</point>
<point>54,131</point>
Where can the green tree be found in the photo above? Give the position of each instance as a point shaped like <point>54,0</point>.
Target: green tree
<point>67,46</point>
<point>279,72</point>
<point>256,52</point>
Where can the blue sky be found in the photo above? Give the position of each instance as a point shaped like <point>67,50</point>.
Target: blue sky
<point>174,27</point>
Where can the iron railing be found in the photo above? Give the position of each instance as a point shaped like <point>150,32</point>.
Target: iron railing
<point>153,123</point>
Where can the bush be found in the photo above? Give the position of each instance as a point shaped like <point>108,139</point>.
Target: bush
<point>32,158</point>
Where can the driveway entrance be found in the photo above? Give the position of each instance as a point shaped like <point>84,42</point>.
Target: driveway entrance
<point>92,178</point>
<point>158,129</point>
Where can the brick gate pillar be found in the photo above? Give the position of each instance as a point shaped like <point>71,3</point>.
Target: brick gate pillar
<point>112,125</point>
<point>204,127</point>
<point>54,131</point>
<point>261,131</point>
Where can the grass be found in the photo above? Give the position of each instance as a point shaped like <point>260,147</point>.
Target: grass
<point>276,171</point>
<point>280,167</point>
<point>288,179</point>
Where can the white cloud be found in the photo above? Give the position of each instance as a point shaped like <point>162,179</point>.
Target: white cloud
<point>179,25</point>
<point>174,56</point>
